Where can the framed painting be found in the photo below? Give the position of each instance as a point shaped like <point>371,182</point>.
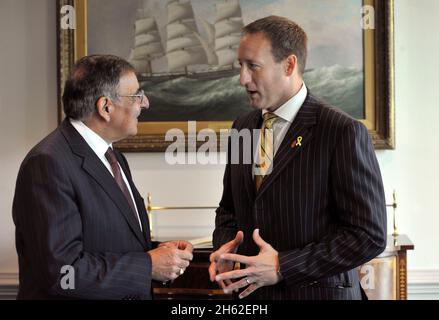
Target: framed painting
<point>185,54</point>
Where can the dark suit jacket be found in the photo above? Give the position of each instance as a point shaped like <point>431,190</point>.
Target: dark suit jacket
<point>68,210</point>
<point>322,207</point>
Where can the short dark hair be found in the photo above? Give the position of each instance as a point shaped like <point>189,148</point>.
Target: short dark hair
<point>286,38</point>
<point>92,77</point>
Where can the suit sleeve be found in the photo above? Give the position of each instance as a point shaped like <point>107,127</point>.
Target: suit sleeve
<point>225,221</point>
<point>359,233</point>
<point>49,229</point>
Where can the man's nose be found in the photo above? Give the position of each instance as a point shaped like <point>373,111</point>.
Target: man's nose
<point>244,77</point>
<point>145,103</point>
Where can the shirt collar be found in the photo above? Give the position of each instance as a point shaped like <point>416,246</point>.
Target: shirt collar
<point>95,141</point>
<point>289,109</point>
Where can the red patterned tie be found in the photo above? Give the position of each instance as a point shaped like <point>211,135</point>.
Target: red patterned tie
<point>111,157</point>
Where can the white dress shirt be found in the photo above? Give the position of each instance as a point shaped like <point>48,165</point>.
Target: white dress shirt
<point>100,147</point>
<point>286,114</point>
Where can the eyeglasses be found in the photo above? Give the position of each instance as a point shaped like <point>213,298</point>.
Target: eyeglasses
<point>140,95</point>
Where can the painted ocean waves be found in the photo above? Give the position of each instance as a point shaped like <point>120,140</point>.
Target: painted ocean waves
<point>223,99</point>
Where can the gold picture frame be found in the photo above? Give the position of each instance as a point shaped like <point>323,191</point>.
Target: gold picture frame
<point>378,81</point>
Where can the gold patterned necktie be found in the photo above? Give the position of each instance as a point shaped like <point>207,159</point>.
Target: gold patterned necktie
<point>266,149</point>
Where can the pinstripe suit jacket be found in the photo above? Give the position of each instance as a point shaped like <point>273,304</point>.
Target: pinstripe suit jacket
<point>68,210</point>
<point>322,207</point>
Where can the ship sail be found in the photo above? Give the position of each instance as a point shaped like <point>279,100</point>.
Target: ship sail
<point>228,25</point>
<point>144,25</point>
<point>175,30</point>
<point>227,41</point>
<point>228,9</point>
<point>183,45</point>
<point>183,58</point>
<point>178,11</point>
<point>183,42</point>
<point>147,43</point>
<point>144,39</point>
<point>146,50</point>
<point>227,56</point>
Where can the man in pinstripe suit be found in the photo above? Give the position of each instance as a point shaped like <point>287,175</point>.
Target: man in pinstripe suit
<point>301,229</point>
<point>81,226</point>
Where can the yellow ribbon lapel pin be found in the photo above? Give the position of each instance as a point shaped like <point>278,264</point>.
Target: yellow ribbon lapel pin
<point>297,142</point>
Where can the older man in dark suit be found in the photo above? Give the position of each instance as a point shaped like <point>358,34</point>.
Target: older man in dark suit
<point>81,225</point>
<point>311,203</point>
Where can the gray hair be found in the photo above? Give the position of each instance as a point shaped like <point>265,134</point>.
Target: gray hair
<point>92,77</point>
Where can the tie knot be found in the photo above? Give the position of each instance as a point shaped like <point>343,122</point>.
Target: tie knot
<point>111,157</point>
<point>269,119</point>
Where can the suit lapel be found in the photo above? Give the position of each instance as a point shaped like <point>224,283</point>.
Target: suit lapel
<point>298,136</point>
<point>96,169</point>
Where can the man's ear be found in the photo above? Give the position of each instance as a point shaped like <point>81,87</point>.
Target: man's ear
<point>103,108</point>
<point>291,65</point>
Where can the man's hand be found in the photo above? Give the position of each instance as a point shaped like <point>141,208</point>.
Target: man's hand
<point>179,244</point>
<point>170,259</point>
<point>260,271</point>
<point>218,265</point>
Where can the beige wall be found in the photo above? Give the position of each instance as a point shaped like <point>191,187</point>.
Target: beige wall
<point>28,109</point>
<point>27,98</point>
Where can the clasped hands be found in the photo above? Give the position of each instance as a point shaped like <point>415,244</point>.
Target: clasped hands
<point>261,270</point>
<point>170,259</point>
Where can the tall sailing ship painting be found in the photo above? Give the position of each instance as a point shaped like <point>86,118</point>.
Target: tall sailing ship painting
<point>183,47</point>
